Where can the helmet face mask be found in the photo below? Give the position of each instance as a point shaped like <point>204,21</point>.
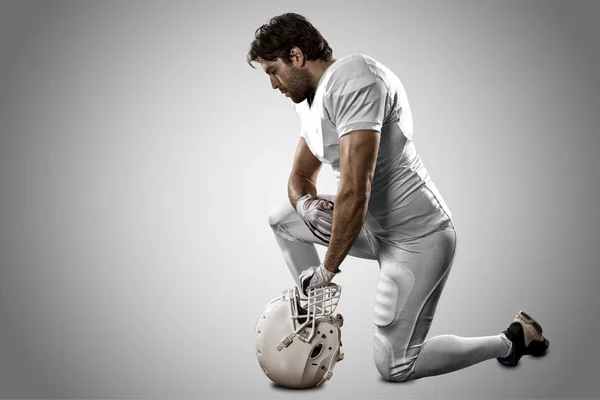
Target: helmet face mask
<point>321,303</point>
<point>297,347</point>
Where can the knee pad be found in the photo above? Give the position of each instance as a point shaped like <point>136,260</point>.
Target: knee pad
<point>383,355</point>
<point>393,367</point>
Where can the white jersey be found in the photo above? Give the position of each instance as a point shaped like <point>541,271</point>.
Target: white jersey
<point>358,93</point>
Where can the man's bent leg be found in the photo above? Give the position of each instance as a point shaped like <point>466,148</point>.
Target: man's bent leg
<point>297,242</point>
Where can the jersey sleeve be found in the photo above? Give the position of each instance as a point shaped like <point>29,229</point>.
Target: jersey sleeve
<point>358,104</point>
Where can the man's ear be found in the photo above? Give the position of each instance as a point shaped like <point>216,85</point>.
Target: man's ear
<point>297,57</point>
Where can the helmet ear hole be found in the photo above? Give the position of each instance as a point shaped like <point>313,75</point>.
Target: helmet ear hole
<point>316,351</point>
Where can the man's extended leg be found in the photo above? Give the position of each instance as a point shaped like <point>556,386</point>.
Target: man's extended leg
<point>524,336</point>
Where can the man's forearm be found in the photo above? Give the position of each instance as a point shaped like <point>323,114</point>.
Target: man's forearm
<point>299,186</point>
<point>349,216</point>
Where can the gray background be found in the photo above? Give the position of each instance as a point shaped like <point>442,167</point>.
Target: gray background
<point>140,157</point>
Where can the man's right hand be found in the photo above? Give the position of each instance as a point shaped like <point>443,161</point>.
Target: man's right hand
<point>317,214</point>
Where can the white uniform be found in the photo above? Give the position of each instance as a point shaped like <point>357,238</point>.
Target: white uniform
<point>408,228</point>
<point>357,92</point>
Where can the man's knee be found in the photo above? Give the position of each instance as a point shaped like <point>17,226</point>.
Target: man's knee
<point>393,364</point>
<point>276,216</point>
<point>279,215</point>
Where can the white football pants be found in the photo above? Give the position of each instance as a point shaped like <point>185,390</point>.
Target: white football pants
<point>412,276</point>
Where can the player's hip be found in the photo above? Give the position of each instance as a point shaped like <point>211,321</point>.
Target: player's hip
<point>399,227</point>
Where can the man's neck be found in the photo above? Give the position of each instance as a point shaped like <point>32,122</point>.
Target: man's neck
<point>317,71</point>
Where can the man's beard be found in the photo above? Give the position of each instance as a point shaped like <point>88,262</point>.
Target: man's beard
<point>298,85</point>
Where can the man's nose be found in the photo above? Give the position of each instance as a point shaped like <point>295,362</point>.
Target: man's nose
<point>274,82</point>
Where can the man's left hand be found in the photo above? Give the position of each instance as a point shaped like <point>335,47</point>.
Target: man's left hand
<point>315,277</point>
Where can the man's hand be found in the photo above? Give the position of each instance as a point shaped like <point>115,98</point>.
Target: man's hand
<point>315,277</point>
<point>317,214</point>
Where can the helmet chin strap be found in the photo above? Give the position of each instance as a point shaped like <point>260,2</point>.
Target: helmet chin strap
<point>286,341</point>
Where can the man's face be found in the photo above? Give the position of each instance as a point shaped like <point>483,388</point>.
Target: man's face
<point>287,78</point>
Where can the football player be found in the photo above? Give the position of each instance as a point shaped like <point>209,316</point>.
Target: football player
<point>355,116</point>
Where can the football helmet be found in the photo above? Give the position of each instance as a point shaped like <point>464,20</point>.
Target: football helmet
<point>297,347</point>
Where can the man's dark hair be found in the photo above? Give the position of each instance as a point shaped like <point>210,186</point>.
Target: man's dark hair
<point>276,38</point>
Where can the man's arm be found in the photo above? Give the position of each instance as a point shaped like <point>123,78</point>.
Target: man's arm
<point>303,178</point>
<point>358,156</point>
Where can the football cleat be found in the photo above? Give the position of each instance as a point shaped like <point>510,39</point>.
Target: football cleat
<point>525,333</point>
